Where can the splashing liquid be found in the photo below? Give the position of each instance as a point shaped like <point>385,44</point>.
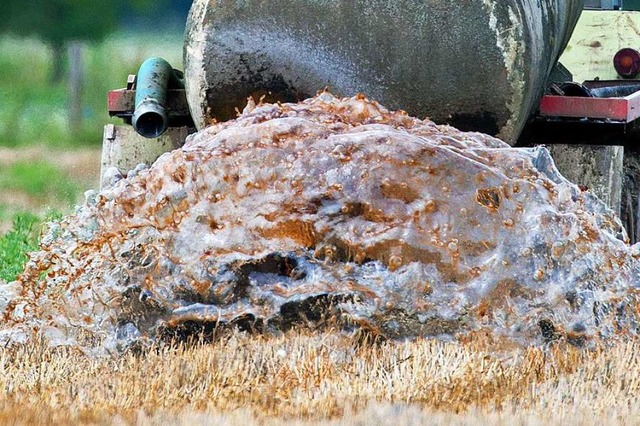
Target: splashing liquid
<point>334,208</point>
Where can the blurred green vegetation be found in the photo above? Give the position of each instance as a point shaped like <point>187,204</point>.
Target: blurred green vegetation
<point>23,238</point>
<point>34,114</point>
<point>15,245</point>
<point>34,189</point>
<point>35,111</point>
<point>40,180</point>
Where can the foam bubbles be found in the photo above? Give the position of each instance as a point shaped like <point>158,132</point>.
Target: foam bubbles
<point>333,209</point>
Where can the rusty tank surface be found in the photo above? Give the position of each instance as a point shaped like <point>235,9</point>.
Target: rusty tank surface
<point>478,65</point>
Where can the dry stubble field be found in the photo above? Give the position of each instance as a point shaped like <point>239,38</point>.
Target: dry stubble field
<point>329,378</point>
<point>310,378</point>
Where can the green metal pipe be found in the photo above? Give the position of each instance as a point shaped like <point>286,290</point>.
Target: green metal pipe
<point>155,77</point>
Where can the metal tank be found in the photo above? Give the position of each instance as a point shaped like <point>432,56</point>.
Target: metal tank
<point>476,64</point>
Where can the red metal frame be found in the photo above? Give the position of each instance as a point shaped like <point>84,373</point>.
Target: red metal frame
<point>625,109</point>
<point>119,100</point>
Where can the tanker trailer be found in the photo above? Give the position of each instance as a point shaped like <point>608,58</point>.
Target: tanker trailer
<point>478,65</point>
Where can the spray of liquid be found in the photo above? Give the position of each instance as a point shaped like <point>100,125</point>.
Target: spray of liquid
<point>333,209</point>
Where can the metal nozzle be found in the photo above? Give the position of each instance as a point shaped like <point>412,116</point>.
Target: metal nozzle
<point>150,118</point>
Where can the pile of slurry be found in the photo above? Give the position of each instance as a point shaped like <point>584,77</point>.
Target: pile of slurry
<point>333,210</point>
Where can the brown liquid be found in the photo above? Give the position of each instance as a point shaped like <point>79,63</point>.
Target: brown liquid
<point>334,210</point>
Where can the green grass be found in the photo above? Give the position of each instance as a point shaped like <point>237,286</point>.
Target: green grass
<point>36,186</point>
<point>35,112</point>
<point>15,245</point>
<point>39,180</point>
<point>23,238</point>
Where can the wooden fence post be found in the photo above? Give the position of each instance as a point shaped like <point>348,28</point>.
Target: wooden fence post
<point>76,82</point>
